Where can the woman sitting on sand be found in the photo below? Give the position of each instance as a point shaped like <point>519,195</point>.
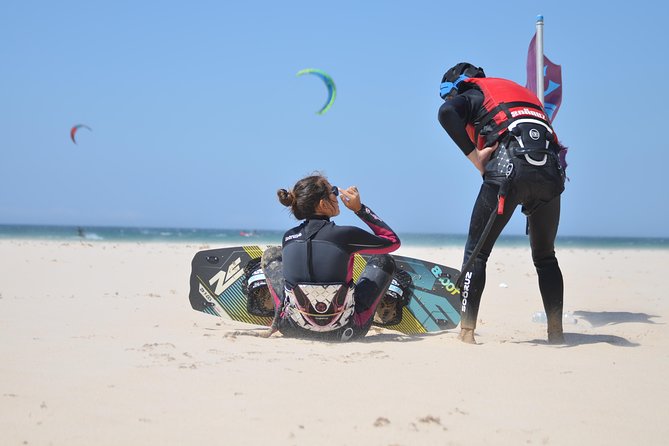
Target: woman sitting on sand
<point>318,298</point>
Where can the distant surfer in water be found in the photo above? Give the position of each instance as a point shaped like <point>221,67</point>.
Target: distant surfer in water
<point>318,298</point>
<point>81,232</point>
<point>503,130</point>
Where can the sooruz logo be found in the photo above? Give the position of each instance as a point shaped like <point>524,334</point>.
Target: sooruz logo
<point>465,291</point>
<point>445,281</point>
<point>223,279</point>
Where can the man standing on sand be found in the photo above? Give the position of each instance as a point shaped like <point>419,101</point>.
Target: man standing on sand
<point>504,131</point>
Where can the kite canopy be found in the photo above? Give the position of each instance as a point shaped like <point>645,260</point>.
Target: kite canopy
<point>329,83</point>
<point>73,131</point>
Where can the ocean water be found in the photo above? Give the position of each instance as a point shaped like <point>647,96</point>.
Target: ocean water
<point>265,237</point>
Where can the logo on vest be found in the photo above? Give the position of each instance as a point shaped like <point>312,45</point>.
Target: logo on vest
<point>534,134</point>
<point>527,112</point>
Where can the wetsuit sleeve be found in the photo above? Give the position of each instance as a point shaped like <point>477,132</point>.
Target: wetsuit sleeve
<point>384,239</point>
<point>456,113</point>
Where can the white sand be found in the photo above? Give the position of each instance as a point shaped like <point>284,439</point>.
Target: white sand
<point>99,346</point>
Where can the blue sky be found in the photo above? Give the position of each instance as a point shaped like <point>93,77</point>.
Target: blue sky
<point>197,115</point>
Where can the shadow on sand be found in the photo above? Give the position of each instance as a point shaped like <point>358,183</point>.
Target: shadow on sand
<point>398,337</point>
<point>601,318</point>
<point>369,339</point>
<point>574,339</point>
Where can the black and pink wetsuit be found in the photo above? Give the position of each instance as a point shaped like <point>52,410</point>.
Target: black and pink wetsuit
<point>318,251</point>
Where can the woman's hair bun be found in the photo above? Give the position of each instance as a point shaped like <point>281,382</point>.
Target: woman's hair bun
<point>286,198</point>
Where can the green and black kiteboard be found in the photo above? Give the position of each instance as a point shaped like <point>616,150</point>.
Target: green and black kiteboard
<point>217,275</point>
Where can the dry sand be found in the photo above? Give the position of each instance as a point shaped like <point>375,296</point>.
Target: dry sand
<point>99,346</point>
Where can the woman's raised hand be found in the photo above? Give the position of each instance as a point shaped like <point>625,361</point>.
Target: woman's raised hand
<point>351,198</point>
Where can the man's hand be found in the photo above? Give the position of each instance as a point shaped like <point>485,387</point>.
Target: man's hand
<point>480,158</point>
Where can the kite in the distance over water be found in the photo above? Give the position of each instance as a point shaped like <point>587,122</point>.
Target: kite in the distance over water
<point>73,131</point>
<point>329,83</point>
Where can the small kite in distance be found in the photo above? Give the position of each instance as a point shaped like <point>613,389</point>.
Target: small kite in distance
<point>329,83</point>
<point>73,131</point>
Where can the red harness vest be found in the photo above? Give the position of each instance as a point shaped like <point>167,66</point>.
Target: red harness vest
<point>504,102</point>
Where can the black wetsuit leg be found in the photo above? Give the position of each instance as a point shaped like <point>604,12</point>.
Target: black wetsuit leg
<point>543,226</point>
<point>475,278</point>
<point>370,288</point>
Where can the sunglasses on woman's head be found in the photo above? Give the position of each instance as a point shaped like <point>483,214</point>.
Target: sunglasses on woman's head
<point>335,191</point>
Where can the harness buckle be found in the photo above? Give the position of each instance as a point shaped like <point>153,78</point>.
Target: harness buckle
<point>533,138</point>
<point>534,162</point>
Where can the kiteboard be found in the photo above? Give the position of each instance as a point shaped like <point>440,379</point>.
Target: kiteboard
<point>217,288</point>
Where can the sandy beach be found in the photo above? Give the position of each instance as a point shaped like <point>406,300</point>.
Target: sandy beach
<point>99,346</point>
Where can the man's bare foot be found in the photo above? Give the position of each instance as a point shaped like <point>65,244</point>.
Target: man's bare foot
<point>467,335</point>
<point>556,338</point>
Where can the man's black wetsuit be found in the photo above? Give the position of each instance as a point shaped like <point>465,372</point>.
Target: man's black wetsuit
<point>454,115</point>
<point>320,252</point>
